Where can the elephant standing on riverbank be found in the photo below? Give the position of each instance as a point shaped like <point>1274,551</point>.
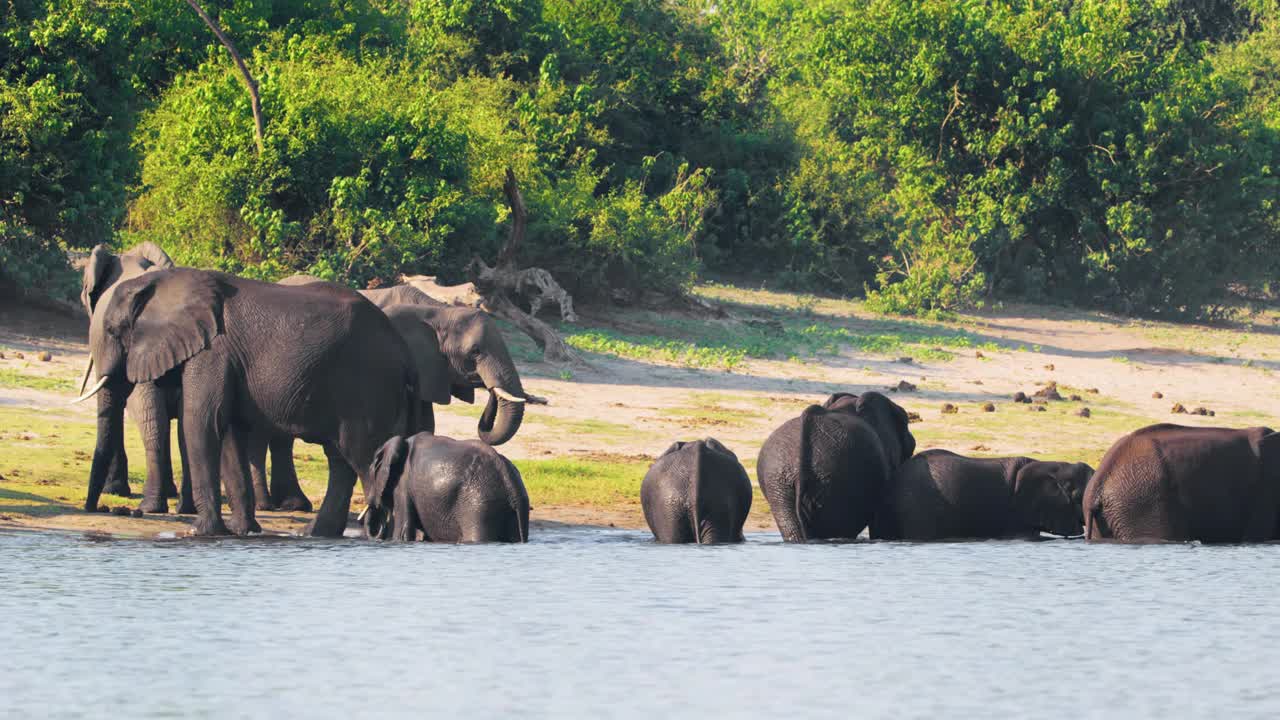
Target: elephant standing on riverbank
<point>939,495</point>
<point>825,472</point>
<point>151,406</point>
<point>313,362</point>
<point>696,492</point>
<point>1175,483</point>
<point>446,490</point>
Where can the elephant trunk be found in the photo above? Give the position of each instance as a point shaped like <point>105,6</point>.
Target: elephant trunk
<point>504,411</point>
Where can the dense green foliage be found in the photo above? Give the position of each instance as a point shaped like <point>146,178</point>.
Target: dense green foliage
<point>934,153</point>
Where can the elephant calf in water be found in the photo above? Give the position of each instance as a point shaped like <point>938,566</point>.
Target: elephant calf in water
<point>939,495</point>
<point>448,490</point>
<point>696,492</point>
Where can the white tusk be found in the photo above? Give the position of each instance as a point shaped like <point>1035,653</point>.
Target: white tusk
<point>507,396</point>
<point>92,391</point>
<point>88,369</point>
<point>360,517</point>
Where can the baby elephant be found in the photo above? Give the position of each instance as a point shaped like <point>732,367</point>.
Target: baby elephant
<point>939,495</point>
<point>696,492</point>
<point>449,490</point>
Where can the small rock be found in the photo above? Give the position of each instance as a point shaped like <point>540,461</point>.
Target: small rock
<point>1,356</point>
<point>977,382</point>
<point>1075,398</point>
<point>903,386</point>
<point>1040,401</point>
<point>104,509</point>
<point>121,511</point>
<point>137,512</point>
<point>19,356</point>
<point>1038,408</point>
<point>1091,391</point>
<point>1178,409</point>
<point>1084,412</point>
<point>988,407</point>
<point>1049,392</point>
<point>913,417</point>
<point>1049,367</point>
<point>979,355</point>
<point>905,360</point>
<point>1157,395</point>
<point>980,448</point>
<point>1212,413</point>
<point>45,356</point>
<point>1202,411</point>
<point>949,409</point>
<point>1021,397</point>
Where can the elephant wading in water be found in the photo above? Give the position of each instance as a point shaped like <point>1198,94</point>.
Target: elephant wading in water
<point>1175,483</point>
<point>696,492</point>
<point>151,406</point>
<point>446,490</point>
<point>824,472</point>
<point>939,495</point>
<point>251,358</point>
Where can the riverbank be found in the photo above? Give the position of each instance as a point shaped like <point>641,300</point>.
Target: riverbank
<point>653,378</point>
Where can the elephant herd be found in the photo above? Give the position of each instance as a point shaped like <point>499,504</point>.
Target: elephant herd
<point>247,367</point>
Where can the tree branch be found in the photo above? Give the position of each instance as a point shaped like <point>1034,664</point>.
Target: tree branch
<point>250,84</point>
<point>519,219</point>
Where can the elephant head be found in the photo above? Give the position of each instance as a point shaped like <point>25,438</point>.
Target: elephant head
<point>388,464</point>
<point>153,323</point>
<point>105,269</point>
<point>885,416</point>
<point>1050,495</point>
<point>478,357</point>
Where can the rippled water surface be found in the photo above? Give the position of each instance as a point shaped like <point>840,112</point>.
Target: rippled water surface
<point>595,623</point>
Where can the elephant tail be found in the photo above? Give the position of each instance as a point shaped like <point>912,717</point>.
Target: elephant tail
<point>804,468</point>
<point>1095,523</point>
<point>695,481</point>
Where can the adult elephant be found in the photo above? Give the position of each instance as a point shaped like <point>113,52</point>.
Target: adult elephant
<point>939,495</point>
<point>824,472</point>
<point>1174,483</point>
<point>477,353</point>
<point>151,407</point>
<point>313,362</point>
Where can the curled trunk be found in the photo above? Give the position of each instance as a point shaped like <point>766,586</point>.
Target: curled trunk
<point>501,417</point>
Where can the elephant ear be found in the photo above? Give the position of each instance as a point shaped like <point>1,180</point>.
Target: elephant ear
<point>98,275</point>
<point>839,398</point>
<point>430,366</point>
<point>388,464</point>
<point>165,317</point>
<point>1270,452</point>
<point>675,447</point>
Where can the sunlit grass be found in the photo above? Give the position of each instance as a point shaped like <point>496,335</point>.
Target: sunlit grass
<point>15,378</point>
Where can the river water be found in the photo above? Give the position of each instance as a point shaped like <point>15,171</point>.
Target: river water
<point>603,623</point>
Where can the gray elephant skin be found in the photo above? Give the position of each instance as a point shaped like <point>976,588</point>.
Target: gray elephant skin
<point>696,492</point>
<point>939,495</point>
<point>151,407</point>
<point>439,489</point>
<point>825,472</point>
<point>1176,483</point>
<point>250,357</point>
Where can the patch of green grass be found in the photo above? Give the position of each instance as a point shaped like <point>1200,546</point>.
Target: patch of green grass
<point>590,482</point>
<point>584,428</point>
<point>719,345</point>
<point>15,378</point>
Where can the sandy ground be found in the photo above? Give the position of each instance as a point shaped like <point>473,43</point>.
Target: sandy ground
<point>625,408</point>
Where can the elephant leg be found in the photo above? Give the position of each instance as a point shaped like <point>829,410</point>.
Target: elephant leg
<point>152,415</point>
<point>257,454</point>
<point>204,428</point>
<point>116,472</point>
<point>286,493</point>
<point>405,522</point>
<point>186,503</point>
<point>331,520</point>
<point>235,475</point>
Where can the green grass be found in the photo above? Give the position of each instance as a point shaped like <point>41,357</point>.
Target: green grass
<point>587,428</point>
<point>15,378</point>
<point>588,482</point>
<point>702,344</point>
